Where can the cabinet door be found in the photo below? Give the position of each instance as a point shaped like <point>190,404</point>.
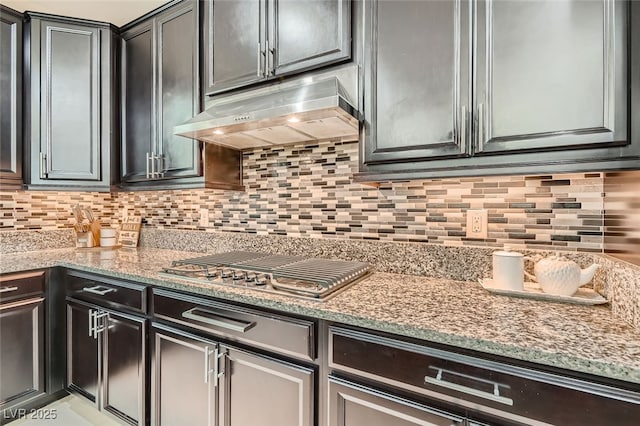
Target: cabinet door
<point>308,33</point>
<point>182,386</point>
<point>354,405</point>
<point>138,112</point>
<point>178,89</point>
<point>82,352</point>
<point>551,75</point>
<point>21,350</point>
<point>124,372</point>
<point>10,98</point>
<point>280,393</point>
<point>235,43</point>
<point>416,80</point>
<point>70,103</point>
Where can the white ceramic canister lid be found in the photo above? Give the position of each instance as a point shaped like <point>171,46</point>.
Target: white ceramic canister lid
<point>108,232</point>
<point>507,253</point>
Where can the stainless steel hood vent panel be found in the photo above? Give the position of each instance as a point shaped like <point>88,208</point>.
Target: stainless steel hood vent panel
<point>306,110</point>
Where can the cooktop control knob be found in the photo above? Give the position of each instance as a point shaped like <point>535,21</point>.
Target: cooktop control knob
<point>238,275</point>
<point>262,279</point>
<point>226,273</point>
<point>250,277</point>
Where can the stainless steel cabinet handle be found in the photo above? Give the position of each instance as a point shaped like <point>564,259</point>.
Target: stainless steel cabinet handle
<point>272,55</point>
<point>218,320</point>
<point>207,369</point>
<point>259,65</point>
<point>495,396</point>
<point>216,371</point>
<point>43,165</point>
<point>267,66</point>
<point>463,127</point>
<point>147,165</point>
<point>7,289</point>
<point>216,357</point>
<point>481,126</point>
<point>99,328</point>
<point>161,165</point>
<point>96,290</point>
<point>91,323</point>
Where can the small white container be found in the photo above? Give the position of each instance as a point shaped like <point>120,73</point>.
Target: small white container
<point>108,232</point>
<point>107,242</point>
<point>508,270</point>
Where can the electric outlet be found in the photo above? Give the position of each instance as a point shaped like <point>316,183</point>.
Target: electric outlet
<point>477,223</point>
<point>204,218</point>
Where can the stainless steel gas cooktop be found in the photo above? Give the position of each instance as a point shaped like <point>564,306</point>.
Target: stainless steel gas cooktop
<point>309,278</point>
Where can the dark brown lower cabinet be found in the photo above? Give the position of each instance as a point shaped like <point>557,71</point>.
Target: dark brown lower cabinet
<point>25,375</point>
<point>106,360</point>
<point>355,405</point>
<point>387,380</point>
<point>204,382</point>
<point>21,350</point>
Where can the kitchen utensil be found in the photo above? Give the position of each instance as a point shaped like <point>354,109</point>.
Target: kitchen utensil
<point>508,270</point>
<point>561,276</point>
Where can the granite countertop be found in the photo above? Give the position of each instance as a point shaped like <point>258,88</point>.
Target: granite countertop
<point>458,313</point>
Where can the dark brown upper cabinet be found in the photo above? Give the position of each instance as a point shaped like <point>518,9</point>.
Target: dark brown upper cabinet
<point>10,98</point>
<point>247,41</point>
<point>417,90</point>
<point>471,88</point>
<point>71,129</point>
<point>159,90</point>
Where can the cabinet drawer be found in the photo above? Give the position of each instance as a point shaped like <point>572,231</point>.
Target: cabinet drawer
<point>498,390</point>
<point>106,292</point>
<point>289,336</point>
<point>22,285</point>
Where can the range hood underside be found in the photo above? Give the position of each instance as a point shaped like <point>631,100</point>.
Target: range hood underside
<point>328,123</point>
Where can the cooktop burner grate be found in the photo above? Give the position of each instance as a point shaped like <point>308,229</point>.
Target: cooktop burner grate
<point>293,275</point>
<point>269,263</point>
<point>322,271</point>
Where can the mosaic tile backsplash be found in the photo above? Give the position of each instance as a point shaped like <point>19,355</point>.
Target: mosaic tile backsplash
<point>308,191</point>
<point>622,215</point>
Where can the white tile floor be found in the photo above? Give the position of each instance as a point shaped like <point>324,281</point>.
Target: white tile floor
<point>69,411</point>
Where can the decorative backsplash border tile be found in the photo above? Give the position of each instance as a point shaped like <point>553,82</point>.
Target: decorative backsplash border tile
<point>308,191</point>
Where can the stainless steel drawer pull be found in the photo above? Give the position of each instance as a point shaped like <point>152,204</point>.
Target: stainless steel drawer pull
<point>217,320</point>
<point>495,396</point>
<point>7,289</point>
<point>97,290</point>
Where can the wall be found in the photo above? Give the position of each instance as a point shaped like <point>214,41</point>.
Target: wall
<point>622,215</point>
<point>308,191</point>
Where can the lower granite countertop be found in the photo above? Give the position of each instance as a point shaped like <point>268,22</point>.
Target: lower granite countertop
<point>580,338</point>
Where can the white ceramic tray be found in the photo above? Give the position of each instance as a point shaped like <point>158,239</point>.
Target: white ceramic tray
<point>584,296</point>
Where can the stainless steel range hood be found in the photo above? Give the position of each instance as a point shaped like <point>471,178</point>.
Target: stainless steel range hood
<point>308,109</point>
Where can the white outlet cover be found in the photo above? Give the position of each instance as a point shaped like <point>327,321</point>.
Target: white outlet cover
<point>477,223</point>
